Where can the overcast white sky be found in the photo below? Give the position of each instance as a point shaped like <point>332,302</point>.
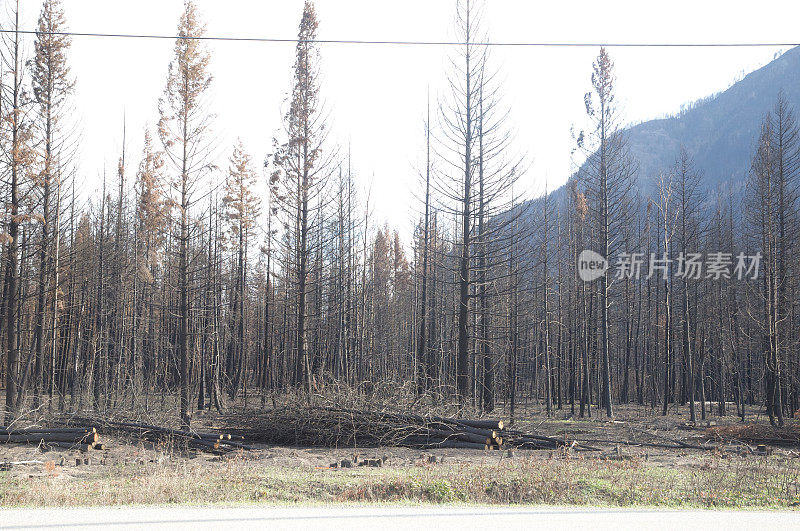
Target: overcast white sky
<point>376,95</point>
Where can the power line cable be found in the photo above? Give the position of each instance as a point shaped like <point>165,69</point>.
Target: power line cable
<point>415,43</point>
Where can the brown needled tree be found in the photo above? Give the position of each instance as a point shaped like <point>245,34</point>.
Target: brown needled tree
<point>242,208</point>
<point>299,174</point>
<point>184,131</point>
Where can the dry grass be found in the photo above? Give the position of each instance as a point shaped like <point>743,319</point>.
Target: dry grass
<point>705,482</point>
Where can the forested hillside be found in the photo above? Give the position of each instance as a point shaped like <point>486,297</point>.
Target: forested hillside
<point>719,132</point>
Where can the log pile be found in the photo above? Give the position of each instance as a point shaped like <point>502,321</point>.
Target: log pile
<point>300,425</point>
<point>529,441</point>
<point>81,438</point>
<point>212,442</point>
<point>440,432</point>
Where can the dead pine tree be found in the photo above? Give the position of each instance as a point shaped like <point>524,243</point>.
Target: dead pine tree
<point>688,202</point>
<point>268,375</point>
<point>117,286</point>
<point>607,178</point>
<point>667,218</point>
<point>786,145</point>
<point>478,174</point>
<point>151,212</point>
<point>300,169</point>
<point>422,355</point>
<point>51,86</point>
<point>547,214</point>
<point>242,208</point>
<point>183,128</point>
<point>460,120</point>
<point>18,158</point>
<point>762,211</point>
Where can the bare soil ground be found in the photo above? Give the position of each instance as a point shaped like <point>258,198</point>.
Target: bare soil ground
<point>641,472</point>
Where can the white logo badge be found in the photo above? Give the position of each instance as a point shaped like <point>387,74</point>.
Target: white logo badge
<point>591,265</point>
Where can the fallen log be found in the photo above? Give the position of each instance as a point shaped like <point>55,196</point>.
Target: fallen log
<point>235,445</point>
<point>464,423</point>
<point>16,431</point>
<point>461,436</point>
<point>205,441</point>
<point>756,433</point>
<point>531,441</point>
<point>489,434</point>
<point>533,445</point>
<point>428,443</point>
<point>676,441</point>
<point>161,431</point>
<point>461,444</point>
<point>635,443</point>
<point>485,424</point>
<point>28,438</point>
<point>482,427</point>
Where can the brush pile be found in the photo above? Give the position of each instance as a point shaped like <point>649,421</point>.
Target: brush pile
<point>335,427</point>
<point>788,435</point>
<point>341,427</point>
<point>81,438</point>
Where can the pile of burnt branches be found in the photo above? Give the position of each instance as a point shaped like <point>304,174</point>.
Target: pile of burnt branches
<point>753,433</point>
<point>333,427</point>
<point>326,426</point>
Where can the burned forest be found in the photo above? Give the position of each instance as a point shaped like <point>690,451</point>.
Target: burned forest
<point>224,298</point>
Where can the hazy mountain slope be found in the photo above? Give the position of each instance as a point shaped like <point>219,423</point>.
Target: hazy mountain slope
<point>719,132</point>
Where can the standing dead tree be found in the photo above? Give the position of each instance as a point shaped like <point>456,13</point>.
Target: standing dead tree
<point>242,209</point>
<point>184,132</point>
<point>687,182</point>
<point>474,186</point>
<point>607,178</point>
<point>18,159</point>
<point>51,86</point>
<point>300,169</point>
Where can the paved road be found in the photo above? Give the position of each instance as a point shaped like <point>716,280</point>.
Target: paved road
<point>389,518</point>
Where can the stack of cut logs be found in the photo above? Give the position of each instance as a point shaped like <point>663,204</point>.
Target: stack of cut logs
<point>73,438</point>
<point>333,427</point>
<point>439,432</point>
<point>216,443</point>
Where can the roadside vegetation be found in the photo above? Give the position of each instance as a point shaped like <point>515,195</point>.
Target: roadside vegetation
<point>701,480</point>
